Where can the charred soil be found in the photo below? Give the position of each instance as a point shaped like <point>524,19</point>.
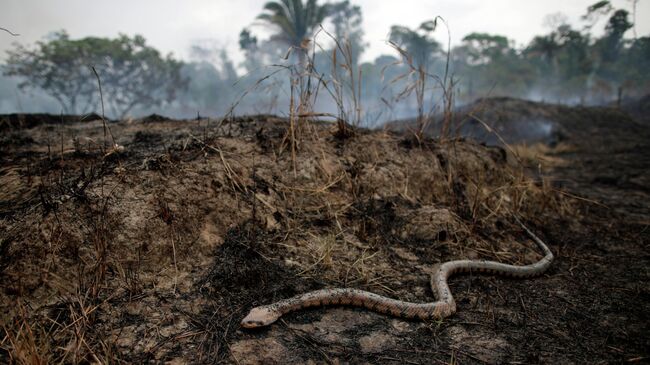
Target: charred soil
<point>155,250</point>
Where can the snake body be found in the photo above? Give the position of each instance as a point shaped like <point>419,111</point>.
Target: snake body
<point>445,305</point>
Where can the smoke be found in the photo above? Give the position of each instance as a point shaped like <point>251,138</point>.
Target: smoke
<point>15,100</point>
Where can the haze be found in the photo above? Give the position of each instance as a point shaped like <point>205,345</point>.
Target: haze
<point>172,26</point>
<point>541,51</point>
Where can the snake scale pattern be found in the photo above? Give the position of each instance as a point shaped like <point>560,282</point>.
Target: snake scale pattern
<point>445,305</point>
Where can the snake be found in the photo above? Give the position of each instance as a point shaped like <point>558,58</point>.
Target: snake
<point>445,305</point>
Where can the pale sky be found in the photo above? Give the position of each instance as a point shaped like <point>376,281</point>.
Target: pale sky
<point>173,25</point>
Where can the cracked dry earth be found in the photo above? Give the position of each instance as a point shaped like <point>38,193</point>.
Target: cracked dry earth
<point>154,254</point>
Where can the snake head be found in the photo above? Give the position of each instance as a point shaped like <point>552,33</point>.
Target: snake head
<point>260,317</point>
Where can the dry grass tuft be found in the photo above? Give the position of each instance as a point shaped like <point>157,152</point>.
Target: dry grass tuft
<point>25,344</point>
<point>374,212</point>
<point>540,156</point>
<point>142,242</point>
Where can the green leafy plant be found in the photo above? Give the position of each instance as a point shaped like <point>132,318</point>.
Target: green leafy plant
<point>133,74</point>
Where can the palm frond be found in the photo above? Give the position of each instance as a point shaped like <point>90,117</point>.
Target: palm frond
<point>293,18</point>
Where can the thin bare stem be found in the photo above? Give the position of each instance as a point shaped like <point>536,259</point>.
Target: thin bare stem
<point>10,32</point>
<point>101,98</point>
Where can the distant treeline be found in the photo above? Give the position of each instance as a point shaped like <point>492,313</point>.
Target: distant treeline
<point>567,65</point>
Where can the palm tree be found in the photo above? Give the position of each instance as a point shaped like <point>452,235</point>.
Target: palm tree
<point>294,20</point>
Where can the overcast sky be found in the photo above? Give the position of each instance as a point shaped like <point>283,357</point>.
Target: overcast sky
<point>172,25</point>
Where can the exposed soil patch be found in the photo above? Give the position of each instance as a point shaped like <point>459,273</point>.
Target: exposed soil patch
<point>155,251</point>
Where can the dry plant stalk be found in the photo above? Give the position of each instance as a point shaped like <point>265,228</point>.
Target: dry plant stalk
<point>345,88</point>
<point>101,98</point>
<point>305,84</point>
<point>418,75</point>
<point>292,129</point>
<point>21,343</point>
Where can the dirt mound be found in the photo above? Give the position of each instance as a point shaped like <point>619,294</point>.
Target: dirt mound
<point>515,121</point>
<point>607,141</point>
<point>152,246</point>
<point>152,118</point>
<point>639,109</point>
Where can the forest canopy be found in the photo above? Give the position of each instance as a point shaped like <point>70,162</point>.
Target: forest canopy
<point>566,65</point>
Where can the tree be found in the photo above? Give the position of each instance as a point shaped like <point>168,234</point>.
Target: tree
<point>546,48</point>
<point>247,41</point>
<point>347,21</point>
<point>248,44</point>
<point>616,27</point>
<point>485,48</point>
<point>595,12</point>
<point>132,73</point>
<point>55,68</point>
<point>635,66</point>
<point>574,57</point>
<point>418,43</point>
<point>210,89</point>
<point>487,63</point>
<point>294,21</point>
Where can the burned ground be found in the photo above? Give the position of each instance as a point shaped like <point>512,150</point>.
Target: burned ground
<point>155,252</point>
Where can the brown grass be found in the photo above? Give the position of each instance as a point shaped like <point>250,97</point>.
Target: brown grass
<point>361,211</point>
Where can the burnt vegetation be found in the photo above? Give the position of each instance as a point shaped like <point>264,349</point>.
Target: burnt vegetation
<point>133,240</point>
